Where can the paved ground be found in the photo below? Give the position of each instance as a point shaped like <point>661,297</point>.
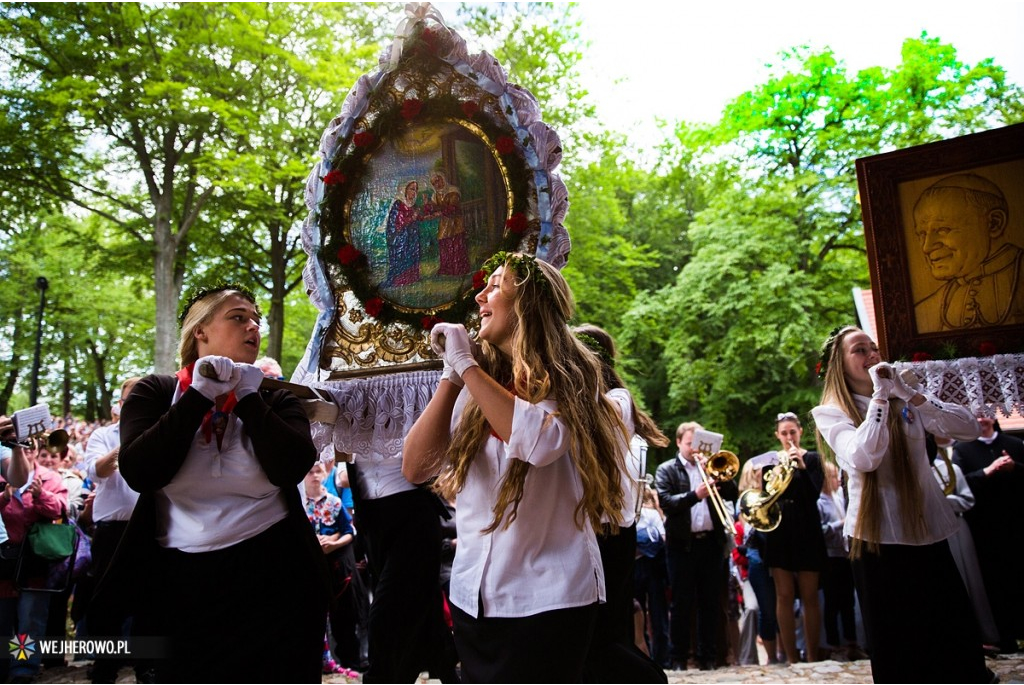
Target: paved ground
<point>1010,669</point>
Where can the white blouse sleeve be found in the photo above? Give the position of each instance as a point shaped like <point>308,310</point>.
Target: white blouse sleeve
<point>948,420</point>
<point>539,436</point>
<point>857,448</point>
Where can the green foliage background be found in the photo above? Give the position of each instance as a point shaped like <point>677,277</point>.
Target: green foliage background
<point>144,148</point>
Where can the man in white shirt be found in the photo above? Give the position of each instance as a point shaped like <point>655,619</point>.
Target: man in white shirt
<point>112,507</point>
<point>695,543</point>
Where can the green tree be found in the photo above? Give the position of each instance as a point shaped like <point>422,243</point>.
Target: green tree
<point>163,99</point>
<point>780,243</point>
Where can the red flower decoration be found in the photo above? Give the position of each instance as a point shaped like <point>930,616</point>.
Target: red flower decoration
<point>428,322</point>
<point>334,177</point>
<point>373,306</point>
<point>920,357</point>
<point>987,348</point>
<point>411,108</point>
<point>817,369</point>
<point>479,280</point>
<point>364,139</point>
<point>469,108</point>
<point>430,40</point>
<point>516,223</point>
<point>348,254</point>
<point>504,145</point>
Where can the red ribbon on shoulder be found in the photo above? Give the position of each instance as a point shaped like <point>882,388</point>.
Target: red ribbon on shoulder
<point>216,420</point>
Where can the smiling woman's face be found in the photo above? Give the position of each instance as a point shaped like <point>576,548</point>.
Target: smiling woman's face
<point>496,311</point>
<point>233,331</point>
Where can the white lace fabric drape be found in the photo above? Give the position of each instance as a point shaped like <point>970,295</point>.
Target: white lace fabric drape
<point>983,384</point>
<point>374,414</point>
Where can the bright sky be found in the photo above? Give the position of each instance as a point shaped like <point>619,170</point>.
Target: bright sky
<point>688,59</point>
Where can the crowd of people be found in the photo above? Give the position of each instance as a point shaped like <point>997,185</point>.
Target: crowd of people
<point>518,536</point>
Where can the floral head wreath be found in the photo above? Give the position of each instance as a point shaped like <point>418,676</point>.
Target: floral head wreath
<point>826,352</point>
<point>525,266</point>
<point>199,293</point>
<point>597,348</point>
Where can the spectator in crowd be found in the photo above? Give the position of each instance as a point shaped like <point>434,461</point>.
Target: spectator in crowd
<point>993,466</point>
<point>334,531</point>
<point>651,576</point>
<point>837,578</point>
<point>42,497</point>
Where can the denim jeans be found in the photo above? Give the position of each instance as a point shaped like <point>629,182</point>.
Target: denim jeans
<point>24,615</point>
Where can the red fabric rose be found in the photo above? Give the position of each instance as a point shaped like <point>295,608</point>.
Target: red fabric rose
<point>428,322</point>
<point>516,223</point>
<point>430,40</point>
<point>987,348</point>
<point>348,254</point>
<point>920,357</point>
<point>469,108</point>
<point>334,177</point>
<point>504,145</point>
<point>364,139</point>
<point>479,280</point>
<point>411,108</point>
<point>373,306</point>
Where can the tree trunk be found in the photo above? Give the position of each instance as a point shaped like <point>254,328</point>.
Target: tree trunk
<point>168,290</point>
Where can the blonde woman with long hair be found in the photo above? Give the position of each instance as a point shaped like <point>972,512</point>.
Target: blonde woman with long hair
<point>917,616</point>
<point>521,431</point>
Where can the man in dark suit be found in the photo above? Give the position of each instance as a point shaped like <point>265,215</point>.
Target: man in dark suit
<point>695,540</point>
<point>994,468</point>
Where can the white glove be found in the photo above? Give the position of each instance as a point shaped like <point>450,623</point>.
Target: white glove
<point>903,390</point>
<point>883,378</point>
<point>218,367</point>
<point>249,379</point>
<point>451,341</point>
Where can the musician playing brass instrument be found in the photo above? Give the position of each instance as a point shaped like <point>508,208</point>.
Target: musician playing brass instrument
<point>695,544</point>
<point>795,550</point>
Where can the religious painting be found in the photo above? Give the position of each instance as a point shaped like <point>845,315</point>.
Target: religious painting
<point>431,210</point>
<point>944,226</point>
<point>435,162</point>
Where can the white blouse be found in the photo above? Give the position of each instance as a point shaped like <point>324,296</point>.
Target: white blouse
<point>114,500</point>
<point>862,449</point>
<point>634,455</point>
<point>218,497</point>
<point>542,561</point>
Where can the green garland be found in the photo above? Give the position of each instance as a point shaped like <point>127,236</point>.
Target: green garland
<point>199,292</point>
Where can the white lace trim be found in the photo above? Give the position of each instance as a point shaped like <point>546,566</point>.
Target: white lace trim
<point>374,414</point>
<point>983,384</point>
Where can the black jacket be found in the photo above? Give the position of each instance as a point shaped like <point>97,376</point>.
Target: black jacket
<point>677,495</point>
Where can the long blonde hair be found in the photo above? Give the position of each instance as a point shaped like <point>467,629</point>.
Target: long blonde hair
<point>547,362</point>
<point>867,531</point>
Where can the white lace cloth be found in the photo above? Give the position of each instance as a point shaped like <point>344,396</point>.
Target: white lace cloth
<point>982,384</point>
<point>375,413</point>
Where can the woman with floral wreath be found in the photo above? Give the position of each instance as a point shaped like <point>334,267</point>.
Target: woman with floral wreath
<point>235,578</point>
<point>917,616</point>
<point>521,430</point>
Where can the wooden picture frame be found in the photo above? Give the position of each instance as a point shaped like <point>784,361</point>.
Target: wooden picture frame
<point>944,227</point>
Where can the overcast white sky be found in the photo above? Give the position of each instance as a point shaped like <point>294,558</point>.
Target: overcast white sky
<point>687,59</point>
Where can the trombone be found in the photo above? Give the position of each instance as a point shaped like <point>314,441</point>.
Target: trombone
<point>721,466</point>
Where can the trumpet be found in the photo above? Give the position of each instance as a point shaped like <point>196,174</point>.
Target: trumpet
<point>721,466</point>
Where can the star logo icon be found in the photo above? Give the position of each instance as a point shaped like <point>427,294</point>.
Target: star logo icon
<point>22,647</point>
